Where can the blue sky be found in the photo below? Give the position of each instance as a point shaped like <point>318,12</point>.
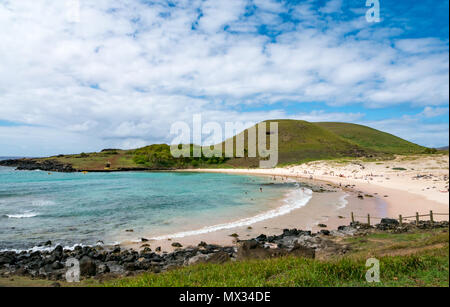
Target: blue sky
<point>81,75</point>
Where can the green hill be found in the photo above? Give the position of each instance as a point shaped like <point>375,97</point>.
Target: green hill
<point>373,139</point>
<point>298,142</point>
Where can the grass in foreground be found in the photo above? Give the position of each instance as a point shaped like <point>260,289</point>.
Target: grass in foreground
<point>428,268</point>
<point>419,258</point>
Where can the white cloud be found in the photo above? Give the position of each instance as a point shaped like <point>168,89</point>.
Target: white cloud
<point>217,14</point>
<point>413,129</point>
<point>430,112</point>
<point>129,69</point>
<point>332,6</point>
<point>420,45</point>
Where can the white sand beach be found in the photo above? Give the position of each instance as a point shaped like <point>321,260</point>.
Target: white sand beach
<point>404,185</point>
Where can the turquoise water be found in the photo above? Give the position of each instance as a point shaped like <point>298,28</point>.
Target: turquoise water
<point>78,208</point>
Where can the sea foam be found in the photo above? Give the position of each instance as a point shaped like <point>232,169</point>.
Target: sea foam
<point>294,200</point>
<point>22,215</point>
<point>342,201</point>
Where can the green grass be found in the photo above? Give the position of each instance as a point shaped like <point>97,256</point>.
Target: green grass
<point>370,138</point>
<point>429,268</point>
<point>391,243</point>
<point>301,142</point>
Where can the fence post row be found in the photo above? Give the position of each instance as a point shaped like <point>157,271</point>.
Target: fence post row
<point>401,217</point>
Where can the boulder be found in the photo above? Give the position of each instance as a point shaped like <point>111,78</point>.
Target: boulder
<point>87,267</point>
<point>387,221</point>
<point>262,238</point>
<point>6,260</point>
<point>200,258</point>
<point>131,267</point>
<point>251,249</point>
<point>58,252</point>
<point>302,251</point>
<point>146,250</point>
<point>57,265</point>
<point>325,232</point>
<point>102,269</point>
<point>219,258</point>
<point>202,244</point>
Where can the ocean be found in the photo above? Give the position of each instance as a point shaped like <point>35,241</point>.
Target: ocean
<point>76,208</point>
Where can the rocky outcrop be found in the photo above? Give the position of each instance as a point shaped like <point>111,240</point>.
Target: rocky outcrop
<point>98,260</point>
<point>37,164</point>
<point>51,165</point>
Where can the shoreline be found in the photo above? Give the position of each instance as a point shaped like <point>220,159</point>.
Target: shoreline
<point>331,204</point>
<point>364,191</point>
<point>331,207</point>
<point>374,188</point>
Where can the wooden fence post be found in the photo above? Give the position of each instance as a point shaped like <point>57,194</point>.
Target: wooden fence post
<point>417,218</point>
<point>400,219</point>
<point>368,219</point>
<point>353,218</point>
<point>431,216</point>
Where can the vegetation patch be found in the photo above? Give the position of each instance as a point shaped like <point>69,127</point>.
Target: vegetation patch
<point>429,268</point>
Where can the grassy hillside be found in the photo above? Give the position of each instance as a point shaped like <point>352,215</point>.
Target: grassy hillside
<point>299,141</point>
<point>373,139</point>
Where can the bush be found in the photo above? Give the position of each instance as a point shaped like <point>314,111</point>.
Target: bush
<point>431,151</point>
<point>159,155</point>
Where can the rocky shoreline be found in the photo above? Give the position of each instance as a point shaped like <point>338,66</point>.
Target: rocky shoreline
<point>51,165</point>
<point>113,261</point>
<point>35,164</point>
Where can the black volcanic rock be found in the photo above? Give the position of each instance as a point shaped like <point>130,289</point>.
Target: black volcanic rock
<point>34,164</point>
<point>87,267</point>
<point>98,261</point>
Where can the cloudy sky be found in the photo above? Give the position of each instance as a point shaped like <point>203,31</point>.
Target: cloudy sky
<point>119,73</point>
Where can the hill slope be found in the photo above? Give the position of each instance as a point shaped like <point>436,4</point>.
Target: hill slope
<point>299,141</point>
<point>370,138</point>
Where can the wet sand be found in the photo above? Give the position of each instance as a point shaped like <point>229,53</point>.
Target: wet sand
<point>331,208</point>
